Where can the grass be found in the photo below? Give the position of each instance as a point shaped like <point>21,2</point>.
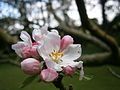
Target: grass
<point>11,77</point>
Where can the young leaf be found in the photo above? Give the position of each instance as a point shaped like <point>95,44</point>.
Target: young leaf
<point>27,81</point>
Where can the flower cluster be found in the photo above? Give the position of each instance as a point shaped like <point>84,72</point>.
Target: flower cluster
<point>58,54</point>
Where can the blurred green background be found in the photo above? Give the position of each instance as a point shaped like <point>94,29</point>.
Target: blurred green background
<point>11,78</point>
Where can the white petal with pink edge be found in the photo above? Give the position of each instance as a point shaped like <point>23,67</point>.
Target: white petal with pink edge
<point>26,37</point>
<point>54,31</point>
<point>53,65</point>
<point>72,52</point>
<point>19,47</point>
<point>38,34</point>
<point>44,30</point>
<point>51,43</point>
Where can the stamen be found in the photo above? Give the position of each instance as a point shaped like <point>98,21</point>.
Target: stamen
<point>55,55</point>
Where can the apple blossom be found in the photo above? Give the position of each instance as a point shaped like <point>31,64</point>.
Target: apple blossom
<point>30,66</point>
<point>55,57</point>
<point>58,54</point>
<point>39,34</point>
<point>48,75</point>
<point>66,40</point>
<point>26,48</point>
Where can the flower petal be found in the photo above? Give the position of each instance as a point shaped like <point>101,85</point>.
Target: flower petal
<point>36,34</point>
<point>33,52</point>
<point>72,52</point>
<point>65,42</point>
<point>42,52</point>
<point>18,48</point>
<point>18,52</point>
<point>68,70</point>
<point>53,65</point>
<point>26,37</point>
<point>44,30</point>
<point>48,75</point>
<point>51,43</point>
<point>18,45</point>
<point>71,63</point>
<point>54,31</point>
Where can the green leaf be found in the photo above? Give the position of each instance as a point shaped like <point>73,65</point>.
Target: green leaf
<point>27,81</point>
<point>87,78</point>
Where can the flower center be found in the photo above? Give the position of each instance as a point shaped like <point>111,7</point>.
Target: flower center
<point>56,55</point>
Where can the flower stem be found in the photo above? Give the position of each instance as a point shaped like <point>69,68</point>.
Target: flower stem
<point>58,83</point>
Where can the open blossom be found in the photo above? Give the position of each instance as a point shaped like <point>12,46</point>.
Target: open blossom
<point>30,66</point>
<point>48,75</point>
<point>39,34</point>
<point>59,53</point>
<point>26,48</point>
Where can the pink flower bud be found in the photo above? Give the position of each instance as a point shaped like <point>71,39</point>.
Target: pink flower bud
<point>65,42</point>
<point>30,66</point>
<point>48,75</point>
<point>26,52</point>
<point>69,70</point>
<point>33,52</point>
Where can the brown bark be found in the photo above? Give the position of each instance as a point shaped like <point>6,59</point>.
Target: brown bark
<point>99,59</point>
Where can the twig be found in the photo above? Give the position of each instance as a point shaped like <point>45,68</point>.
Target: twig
<point>113,72</point>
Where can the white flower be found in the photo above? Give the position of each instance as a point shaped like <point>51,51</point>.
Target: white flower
<point>55,56</point>
<point>25,48</point>
<point>39,34</point>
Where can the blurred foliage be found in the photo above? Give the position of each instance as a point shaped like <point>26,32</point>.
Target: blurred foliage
<point>11,77</point>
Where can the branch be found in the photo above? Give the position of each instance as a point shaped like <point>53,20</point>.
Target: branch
<point>78,33</point>
<point>95,29</point>
<point>105,21</point>
<point>96,59</point>
<point>99,59</point>
<point>113,72</point>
